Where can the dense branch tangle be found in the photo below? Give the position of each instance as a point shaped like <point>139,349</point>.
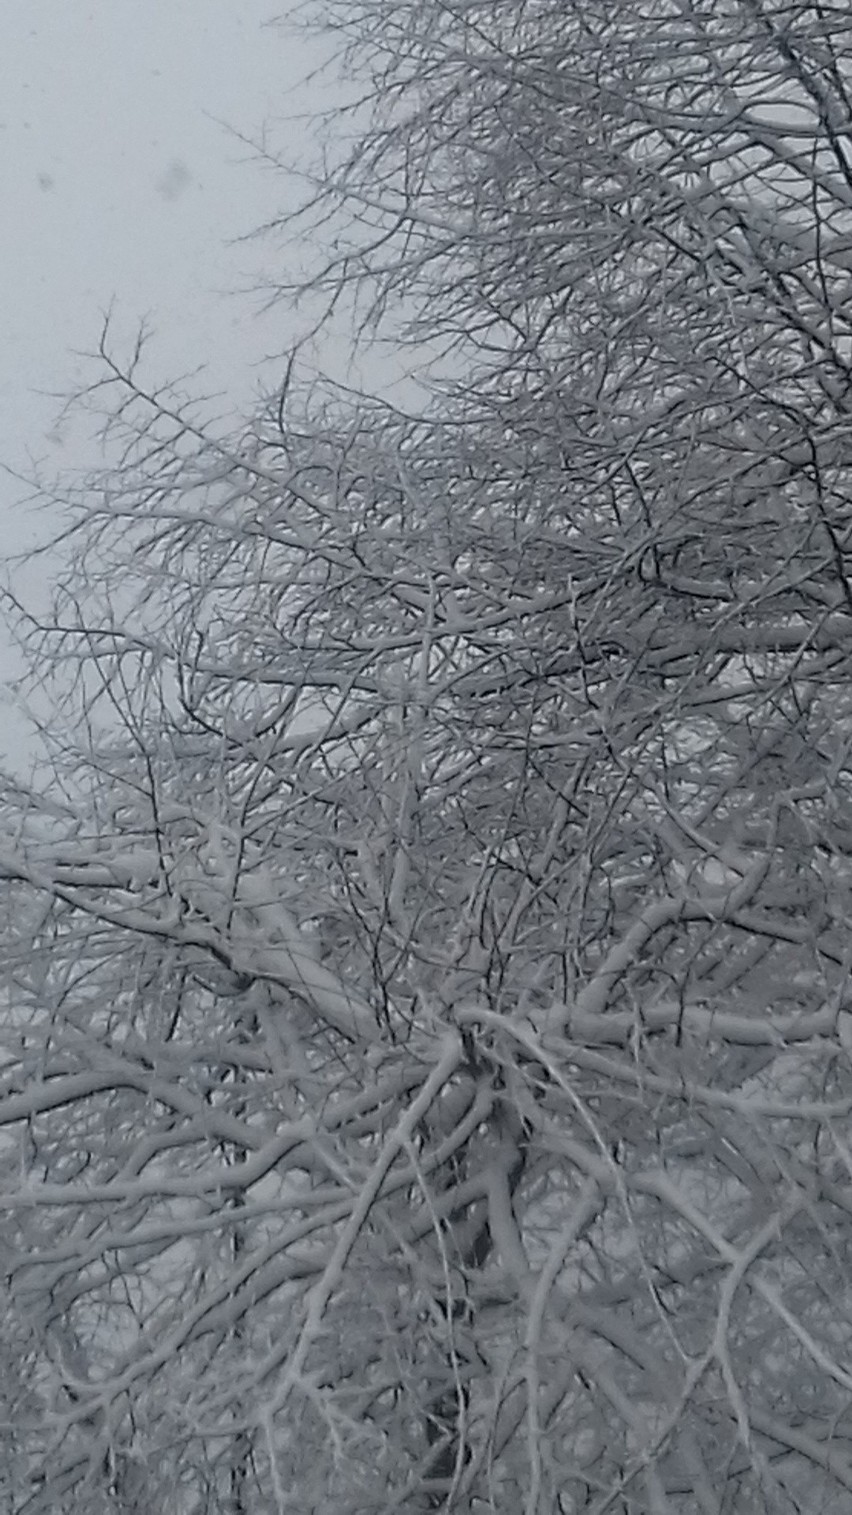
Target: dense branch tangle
<point>426,1073</point>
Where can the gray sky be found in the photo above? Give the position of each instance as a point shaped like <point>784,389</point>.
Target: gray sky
<point>119,184</point>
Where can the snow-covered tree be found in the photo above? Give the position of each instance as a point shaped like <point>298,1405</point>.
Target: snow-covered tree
<point>426,1077</point>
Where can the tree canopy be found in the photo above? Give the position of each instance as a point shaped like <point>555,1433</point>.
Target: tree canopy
<point>426,1058</point>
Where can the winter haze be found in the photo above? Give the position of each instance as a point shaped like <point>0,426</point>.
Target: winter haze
<point>126,187</point>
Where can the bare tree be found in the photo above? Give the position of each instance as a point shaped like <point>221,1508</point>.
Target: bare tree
<point>427,1058</point>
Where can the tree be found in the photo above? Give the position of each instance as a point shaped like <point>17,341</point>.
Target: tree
<point>426,1067</point>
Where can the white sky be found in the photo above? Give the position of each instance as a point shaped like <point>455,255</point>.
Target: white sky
<point>120,184</point>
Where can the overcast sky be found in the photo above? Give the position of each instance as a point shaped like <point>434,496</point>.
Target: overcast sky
<point>121,186</point>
